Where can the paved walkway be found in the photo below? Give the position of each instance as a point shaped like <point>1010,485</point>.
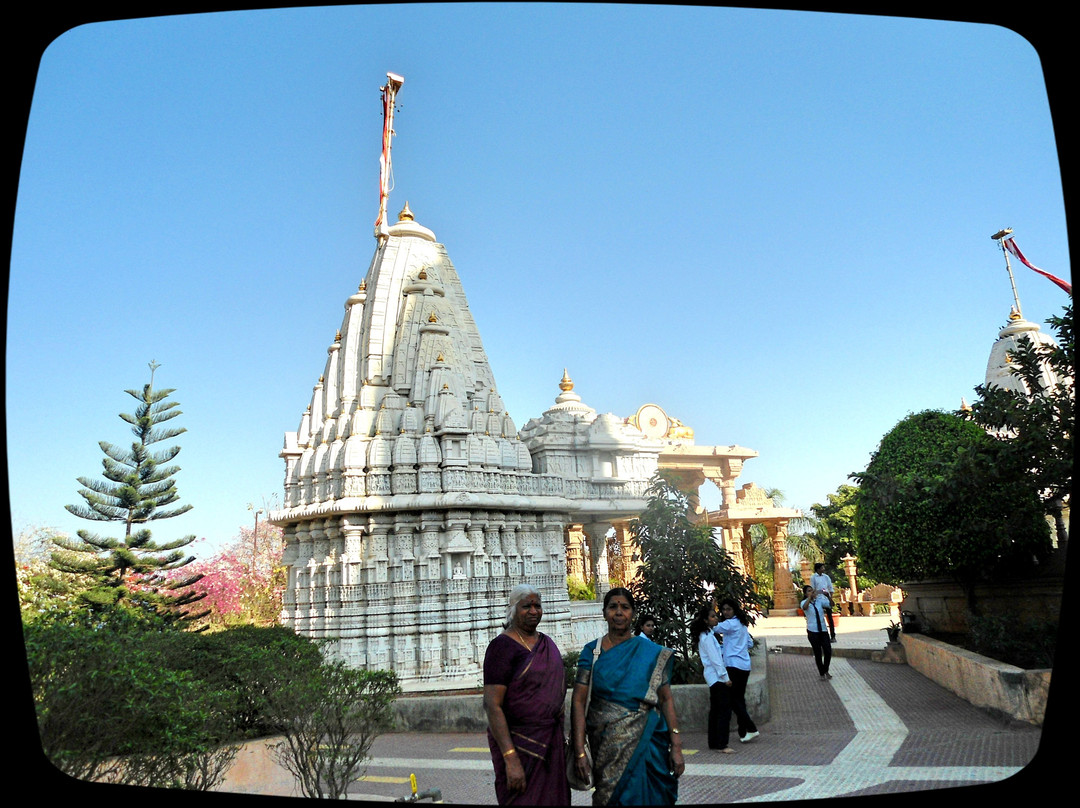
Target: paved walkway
<point>875,728</point>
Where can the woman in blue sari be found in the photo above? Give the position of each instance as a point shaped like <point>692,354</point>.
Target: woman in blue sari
<point>630,720</point>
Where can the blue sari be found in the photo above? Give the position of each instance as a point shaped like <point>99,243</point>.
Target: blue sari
<point>627,734</point>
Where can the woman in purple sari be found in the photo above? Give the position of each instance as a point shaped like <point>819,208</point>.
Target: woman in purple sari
<point>524,692</point>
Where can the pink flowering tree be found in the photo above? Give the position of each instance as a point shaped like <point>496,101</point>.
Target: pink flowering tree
<point>243,583</point>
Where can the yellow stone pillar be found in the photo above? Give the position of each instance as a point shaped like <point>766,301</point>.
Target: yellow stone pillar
<point>785,602</point>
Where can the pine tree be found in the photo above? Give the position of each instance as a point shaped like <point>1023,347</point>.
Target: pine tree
<point>137,486</point>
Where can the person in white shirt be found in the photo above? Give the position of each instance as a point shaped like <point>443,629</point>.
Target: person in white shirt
<point>814,604</point>
<point>716,677</point>
<point>736,649</point>
<point>646,626</point>
<point>820,581</point>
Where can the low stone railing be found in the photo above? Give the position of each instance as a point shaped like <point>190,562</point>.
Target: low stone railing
<point>1001,689</point>
<point>465,713</point>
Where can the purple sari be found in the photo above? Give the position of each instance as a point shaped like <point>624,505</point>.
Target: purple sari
<point>535,692</point>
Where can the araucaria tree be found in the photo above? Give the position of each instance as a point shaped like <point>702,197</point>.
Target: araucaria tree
<point>138,486</point>
<point>941,498</point>
<point>1036,426</point>
<point>682,566</point>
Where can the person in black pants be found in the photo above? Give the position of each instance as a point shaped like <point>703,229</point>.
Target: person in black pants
<point>716,677</point>
<point>733,627</point>
<point>813,605</point>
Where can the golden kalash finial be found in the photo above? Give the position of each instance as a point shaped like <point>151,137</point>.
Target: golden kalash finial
<point>566,385</point>
<point>423,274</point>
<point>406,215</point>
<point>432,318</point>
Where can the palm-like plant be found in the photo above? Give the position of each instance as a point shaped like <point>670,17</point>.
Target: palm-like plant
<point>801,540</point>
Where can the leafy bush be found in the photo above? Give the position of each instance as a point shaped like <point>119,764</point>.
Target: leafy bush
<point>1025,643</point>
<point>687,671</point>
<point>247,664</point>
<point>683,567</point>
<point>578,589</point>
<point>109,710</point>
<point>942,498</point>
<point>569,662</point>
<point>329,718</point>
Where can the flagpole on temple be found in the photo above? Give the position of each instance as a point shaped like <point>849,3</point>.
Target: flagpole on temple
<point>999,237</point>
<point>389,95</point>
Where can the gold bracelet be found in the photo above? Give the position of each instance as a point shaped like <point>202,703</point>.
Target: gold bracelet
<point>581,755</point>
<point>509,752</point>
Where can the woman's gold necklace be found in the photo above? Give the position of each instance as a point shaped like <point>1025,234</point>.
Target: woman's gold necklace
<point>521,638</point>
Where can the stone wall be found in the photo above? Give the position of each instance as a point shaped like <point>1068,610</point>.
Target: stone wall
<point>941,605</point>
<point>465,713</point>
<point>1001,689</point>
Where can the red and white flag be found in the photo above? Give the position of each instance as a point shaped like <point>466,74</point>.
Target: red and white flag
<point>384,159</point>
<point>1010,245</point>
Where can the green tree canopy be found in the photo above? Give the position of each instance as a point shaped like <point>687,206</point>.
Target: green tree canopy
<point>940,498</point>
<point>836,528</point>
<point>682,566</point>
<point>138,484</point>
<point>1036,426</point>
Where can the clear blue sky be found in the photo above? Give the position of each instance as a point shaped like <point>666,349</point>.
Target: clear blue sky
<point>773,224</point>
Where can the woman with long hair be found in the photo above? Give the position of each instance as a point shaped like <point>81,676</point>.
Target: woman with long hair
<point>716,676</point>
<point>630,716</point>
<point>734,628</point>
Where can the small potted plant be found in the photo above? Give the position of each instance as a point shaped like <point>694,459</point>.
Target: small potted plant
<point>893,630</point>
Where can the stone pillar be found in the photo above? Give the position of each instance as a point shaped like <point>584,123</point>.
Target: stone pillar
<point>630,558</point>
<point>805,571</point>
<point>849,570</point>
<point>597,533</point>
<point>575,561</point>
<point>734,545</point>
<point>724,478</point>
<point>785,601</point>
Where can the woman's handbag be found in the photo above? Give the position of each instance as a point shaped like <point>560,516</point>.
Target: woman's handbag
<point>571,761</point>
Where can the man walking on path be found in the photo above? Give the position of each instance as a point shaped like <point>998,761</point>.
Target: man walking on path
<point>813,605</point>
<point>823,583</point>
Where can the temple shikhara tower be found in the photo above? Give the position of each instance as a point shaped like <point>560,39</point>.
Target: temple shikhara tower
<point>413,505</point>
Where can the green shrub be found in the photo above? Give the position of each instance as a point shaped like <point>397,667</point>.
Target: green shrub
<point>687,671</point>
<point>329,718</point>
<point>569,662</point>
<point>578,589</point>
<point>109,708</point>
<point>940,497</point>
<point>247,663</point>
<point>1026,643</point>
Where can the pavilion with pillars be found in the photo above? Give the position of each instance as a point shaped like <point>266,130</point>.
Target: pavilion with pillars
<point>598,540</point>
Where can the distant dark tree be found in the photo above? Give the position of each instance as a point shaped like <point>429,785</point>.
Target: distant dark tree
<point>941,498</point>
<point>682,566</point>
<point>1036,426</point>
<point>137,486</point>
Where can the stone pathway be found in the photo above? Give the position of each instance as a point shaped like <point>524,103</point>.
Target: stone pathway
<point>874,728</point>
